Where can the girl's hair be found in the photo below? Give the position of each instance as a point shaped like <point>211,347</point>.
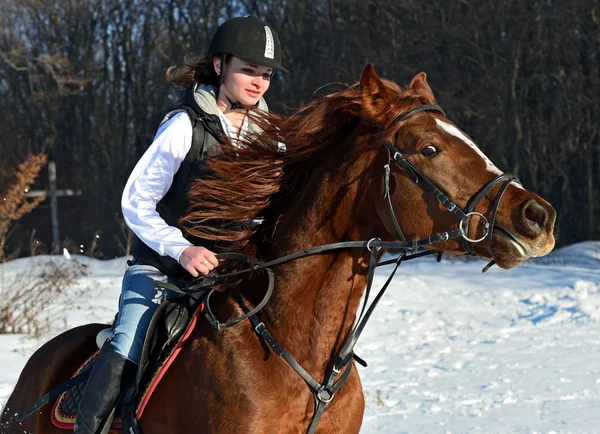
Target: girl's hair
<point>195,68</point>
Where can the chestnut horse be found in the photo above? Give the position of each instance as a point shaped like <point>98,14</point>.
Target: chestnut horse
<point>328,187</point>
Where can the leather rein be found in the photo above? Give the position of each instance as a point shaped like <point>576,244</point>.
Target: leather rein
<point>341,367</point>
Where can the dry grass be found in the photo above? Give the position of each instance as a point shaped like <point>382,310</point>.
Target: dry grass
<point>13,202</point>
<point>28,299</point>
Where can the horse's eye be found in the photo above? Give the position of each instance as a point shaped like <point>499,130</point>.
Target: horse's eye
<point>429,151</point>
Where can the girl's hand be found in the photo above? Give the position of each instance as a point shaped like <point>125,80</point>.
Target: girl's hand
<point>196,259</point>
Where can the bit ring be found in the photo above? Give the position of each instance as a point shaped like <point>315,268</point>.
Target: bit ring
<point>466,236</point>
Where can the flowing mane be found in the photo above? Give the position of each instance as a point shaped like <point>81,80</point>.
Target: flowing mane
<point>256,180</point>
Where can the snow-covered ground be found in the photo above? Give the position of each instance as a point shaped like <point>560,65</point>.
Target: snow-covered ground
<point>450,350</point>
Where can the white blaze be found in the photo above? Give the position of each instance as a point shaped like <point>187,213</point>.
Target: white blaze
<point>452,130</point>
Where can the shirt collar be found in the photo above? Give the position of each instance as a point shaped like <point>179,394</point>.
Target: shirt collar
<point>231,131</point>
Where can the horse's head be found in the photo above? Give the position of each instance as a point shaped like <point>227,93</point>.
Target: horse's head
<point>521,222</point>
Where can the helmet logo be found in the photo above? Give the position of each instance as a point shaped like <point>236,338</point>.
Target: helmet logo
<point>269,45</point>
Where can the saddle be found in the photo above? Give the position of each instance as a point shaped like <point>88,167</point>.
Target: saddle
<point>170,327</point>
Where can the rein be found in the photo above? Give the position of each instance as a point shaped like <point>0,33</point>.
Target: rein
<point>324,392</point>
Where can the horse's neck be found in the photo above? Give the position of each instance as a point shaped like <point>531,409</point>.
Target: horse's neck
<point>316,298</point>
<point>315,307</point>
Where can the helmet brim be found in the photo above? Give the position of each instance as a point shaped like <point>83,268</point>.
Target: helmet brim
<point>263,62</point>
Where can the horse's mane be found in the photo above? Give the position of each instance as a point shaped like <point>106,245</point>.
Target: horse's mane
<point>255,180</point>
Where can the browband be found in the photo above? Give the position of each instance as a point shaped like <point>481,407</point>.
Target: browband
<point>421,108</point>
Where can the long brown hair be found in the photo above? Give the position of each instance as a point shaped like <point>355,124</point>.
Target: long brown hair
<point>257,181</point>
<point>198,69</point>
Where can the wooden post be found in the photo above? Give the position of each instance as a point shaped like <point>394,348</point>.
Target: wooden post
<point>54,195</point>
<point>53,205</point>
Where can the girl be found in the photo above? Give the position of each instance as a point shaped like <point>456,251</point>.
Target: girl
<point>220,88</point>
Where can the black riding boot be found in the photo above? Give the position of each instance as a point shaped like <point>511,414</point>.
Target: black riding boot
<point>96,409</point>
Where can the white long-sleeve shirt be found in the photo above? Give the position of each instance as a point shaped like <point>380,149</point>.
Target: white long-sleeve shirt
<point>151,179</point>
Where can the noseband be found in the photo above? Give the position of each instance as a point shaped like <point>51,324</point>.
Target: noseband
<point>463,214</point>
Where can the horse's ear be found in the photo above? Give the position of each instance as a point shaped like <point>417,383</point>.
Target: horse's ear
<point>421,88</point>
<point>374,92</point>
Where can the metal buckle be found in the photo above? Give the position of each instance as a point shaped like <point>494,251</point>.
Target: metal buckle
<point>327,399</point>
<point>387,171</point>
<point>369,243</point>
<point>260,327</point>
<point>415,245</point>
<point>213,321</point>
<point>466,236</point>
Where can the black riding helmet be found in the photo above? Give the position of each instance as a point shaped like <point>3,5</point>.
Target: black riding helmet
<point>250,39</point>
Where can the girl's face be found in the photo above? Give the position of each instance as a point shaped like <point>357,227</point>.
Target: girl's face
<point>244,82</point>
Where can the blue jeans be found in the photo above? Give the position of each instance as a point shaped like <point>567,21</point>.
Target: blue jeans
<point>140,297</point>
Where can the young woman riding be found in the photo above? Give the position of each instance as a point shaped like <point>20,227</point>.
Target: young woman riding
<point>220,88</point>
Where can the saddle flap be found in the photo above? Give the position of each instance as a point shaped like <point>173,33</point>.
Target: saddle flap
<point>176,318</point>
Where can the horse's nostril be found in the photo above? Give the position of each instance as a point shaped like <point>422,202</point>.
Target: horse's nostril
<point>535,215</point>
<point>531,215</point>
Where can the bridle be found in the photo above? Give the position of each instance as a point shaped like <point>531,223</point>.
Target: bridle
<point>463,215</point>
<point>339,369</point>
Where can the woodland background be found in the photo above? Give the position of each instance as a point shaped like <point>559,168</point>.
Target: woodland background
<point>84,81</point>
